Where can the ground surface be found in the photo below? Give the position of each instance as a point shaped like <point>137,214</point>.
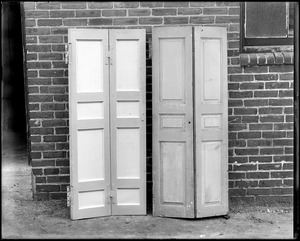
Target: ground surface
<point>24,218</point>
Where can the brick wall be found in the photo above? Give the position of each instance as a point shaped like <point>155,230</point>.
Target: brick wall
<point>260,93</point>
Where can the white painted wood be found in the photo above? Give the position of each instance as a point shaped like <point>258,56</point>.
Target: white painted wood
<point>128,123</point>
<point>89,132</point>
<point>90,59</point>
<point>127,64</point>
<point>92,110</point>
<point>172,102</point>
<point>211,121</point>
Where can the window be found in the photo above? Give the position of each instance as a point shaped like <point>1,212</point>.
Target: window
<point>265,24</point>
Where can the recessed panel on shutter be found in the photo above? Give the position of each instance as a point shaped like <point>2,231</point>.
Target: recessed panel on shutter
<point>89,123</point>
<point>211,121</point>
<point>128,121</point>
<point>172,106</point>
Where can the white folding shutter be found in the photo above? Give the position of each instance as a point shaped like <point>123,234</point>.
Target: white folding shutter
<point>128,122</point>
<point>211,124</point>
<point>89,123</point>
<point>172,106</point>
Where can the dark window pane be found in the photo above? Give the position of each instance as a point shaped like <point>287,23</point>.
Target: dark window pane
<point>266,19</point>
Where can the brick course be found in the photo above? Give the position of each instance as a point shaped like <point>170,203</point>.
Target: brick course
<point>260,93</point>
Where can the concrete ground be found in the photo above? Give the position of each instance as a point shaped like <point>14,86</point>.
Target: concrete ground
<point>25,218</point>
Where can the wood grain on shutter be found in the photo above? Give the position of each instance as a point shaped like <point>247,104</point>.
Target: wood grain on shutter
<point>89,123</point>
<point>172,106</point>
<point>128,122</point>
<point>211,124</point>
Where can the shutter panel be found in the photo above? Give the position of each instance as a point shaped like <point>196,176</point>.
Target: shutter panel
<point>211,120</point>
<point>128,122</point>
<point>89,123</point>
<point>173,185</point>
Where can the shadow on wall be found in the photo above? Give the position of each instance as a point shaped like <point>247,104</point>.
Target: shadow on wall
<point>13,121</point>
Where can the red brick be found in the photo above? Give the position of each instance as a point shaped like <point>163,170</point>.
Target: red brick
<point>253,143</point>
<point>37,171</point>
<point>176,4</point>
<point>256,69</point>
<point>62,14</point>
<point>260,126</point>
<point>30,23</point>
<point>258,191</point>
<point>39,81</point>
<point>62,146</point>
<point>47,188</point>
<point>55,138</point>
<point>36,14</point>
<point>139,12</point>
<point>274,134</point>
<point>43,163</point>
<point>75,22</point>
<point>281,68</point>
<point>280,102</point>
<point>125,21</point>
<point>237,192</point>
<point>126,4</point>
<point>232,103</point>
<point>270,183</point>
<point>288,182</point>
<point>60,31</point>
<point>88,13</point>
<point>73,5</point>
<point>163,11</point>
<point>245,111</point>
<point>54,154</point>
<point>265,94</point>
<point>271,118</point>
<point>256,102</point>
<point>38,48</point>
<point>40,98</point>
<point>214,11</point>
<point>51,39</point>
<point>281,191</point>
<point>246,184</point>
<point>249,135</point>
<point>270,58</point>
<point>41,115</point>
<point>288,57</point>
<point>61,114</point>
<point>51,73</point>
<point>61,98</point>
<point>48,5</point>
<point>51,171</point>
<point>61,130</point>
<point>282,174</point>
<point>257,175</point>
<point>202,20</point>
<point>42,146</point>
<point>285,126</point>
<point>227,19</point>
<point>150,20</point>
<point>31,40</point>
<point>113,13</point>
<point>62,162</point>
<point>29,6</point>
<point>279,58</point>
<point>237,143</point>
<point>53,123</point>
<point>49,22</point>
<point>41,131</point>
<point>249,119</point>
<point>237,127</point>
<point>176,20</point>
<point>238,159</point>
<point>60,81</point>
<point>283,142</point>
<point>100,21</point>
<point>284,76</point>
<point>241,78</point>
<point>240,94</point>
<point>236,175</point>
<point>189,11</point>
<point>233,11</point>
<point>286,93</point>
<point>38,65</point>
<point>50,56</point>
<point>201,4</point>
<point>271,151</point>
<point>251,86</point>
<point>277,85</point>
<point>288,166</point>
<point>246,151</point>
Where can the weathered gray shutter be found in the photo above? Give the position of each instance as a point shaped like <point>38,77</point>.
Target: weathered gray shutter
<point>89,123</point>
<point>172,107</point>
<point>211,121</point>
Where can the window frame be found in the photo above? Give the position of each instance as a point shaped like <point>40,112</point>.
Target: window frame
<point>261,44</point>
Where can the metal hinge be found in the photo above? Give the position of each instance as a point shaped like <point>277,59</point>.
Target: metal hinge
<point>68,197</point>
<point>67,53</point>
